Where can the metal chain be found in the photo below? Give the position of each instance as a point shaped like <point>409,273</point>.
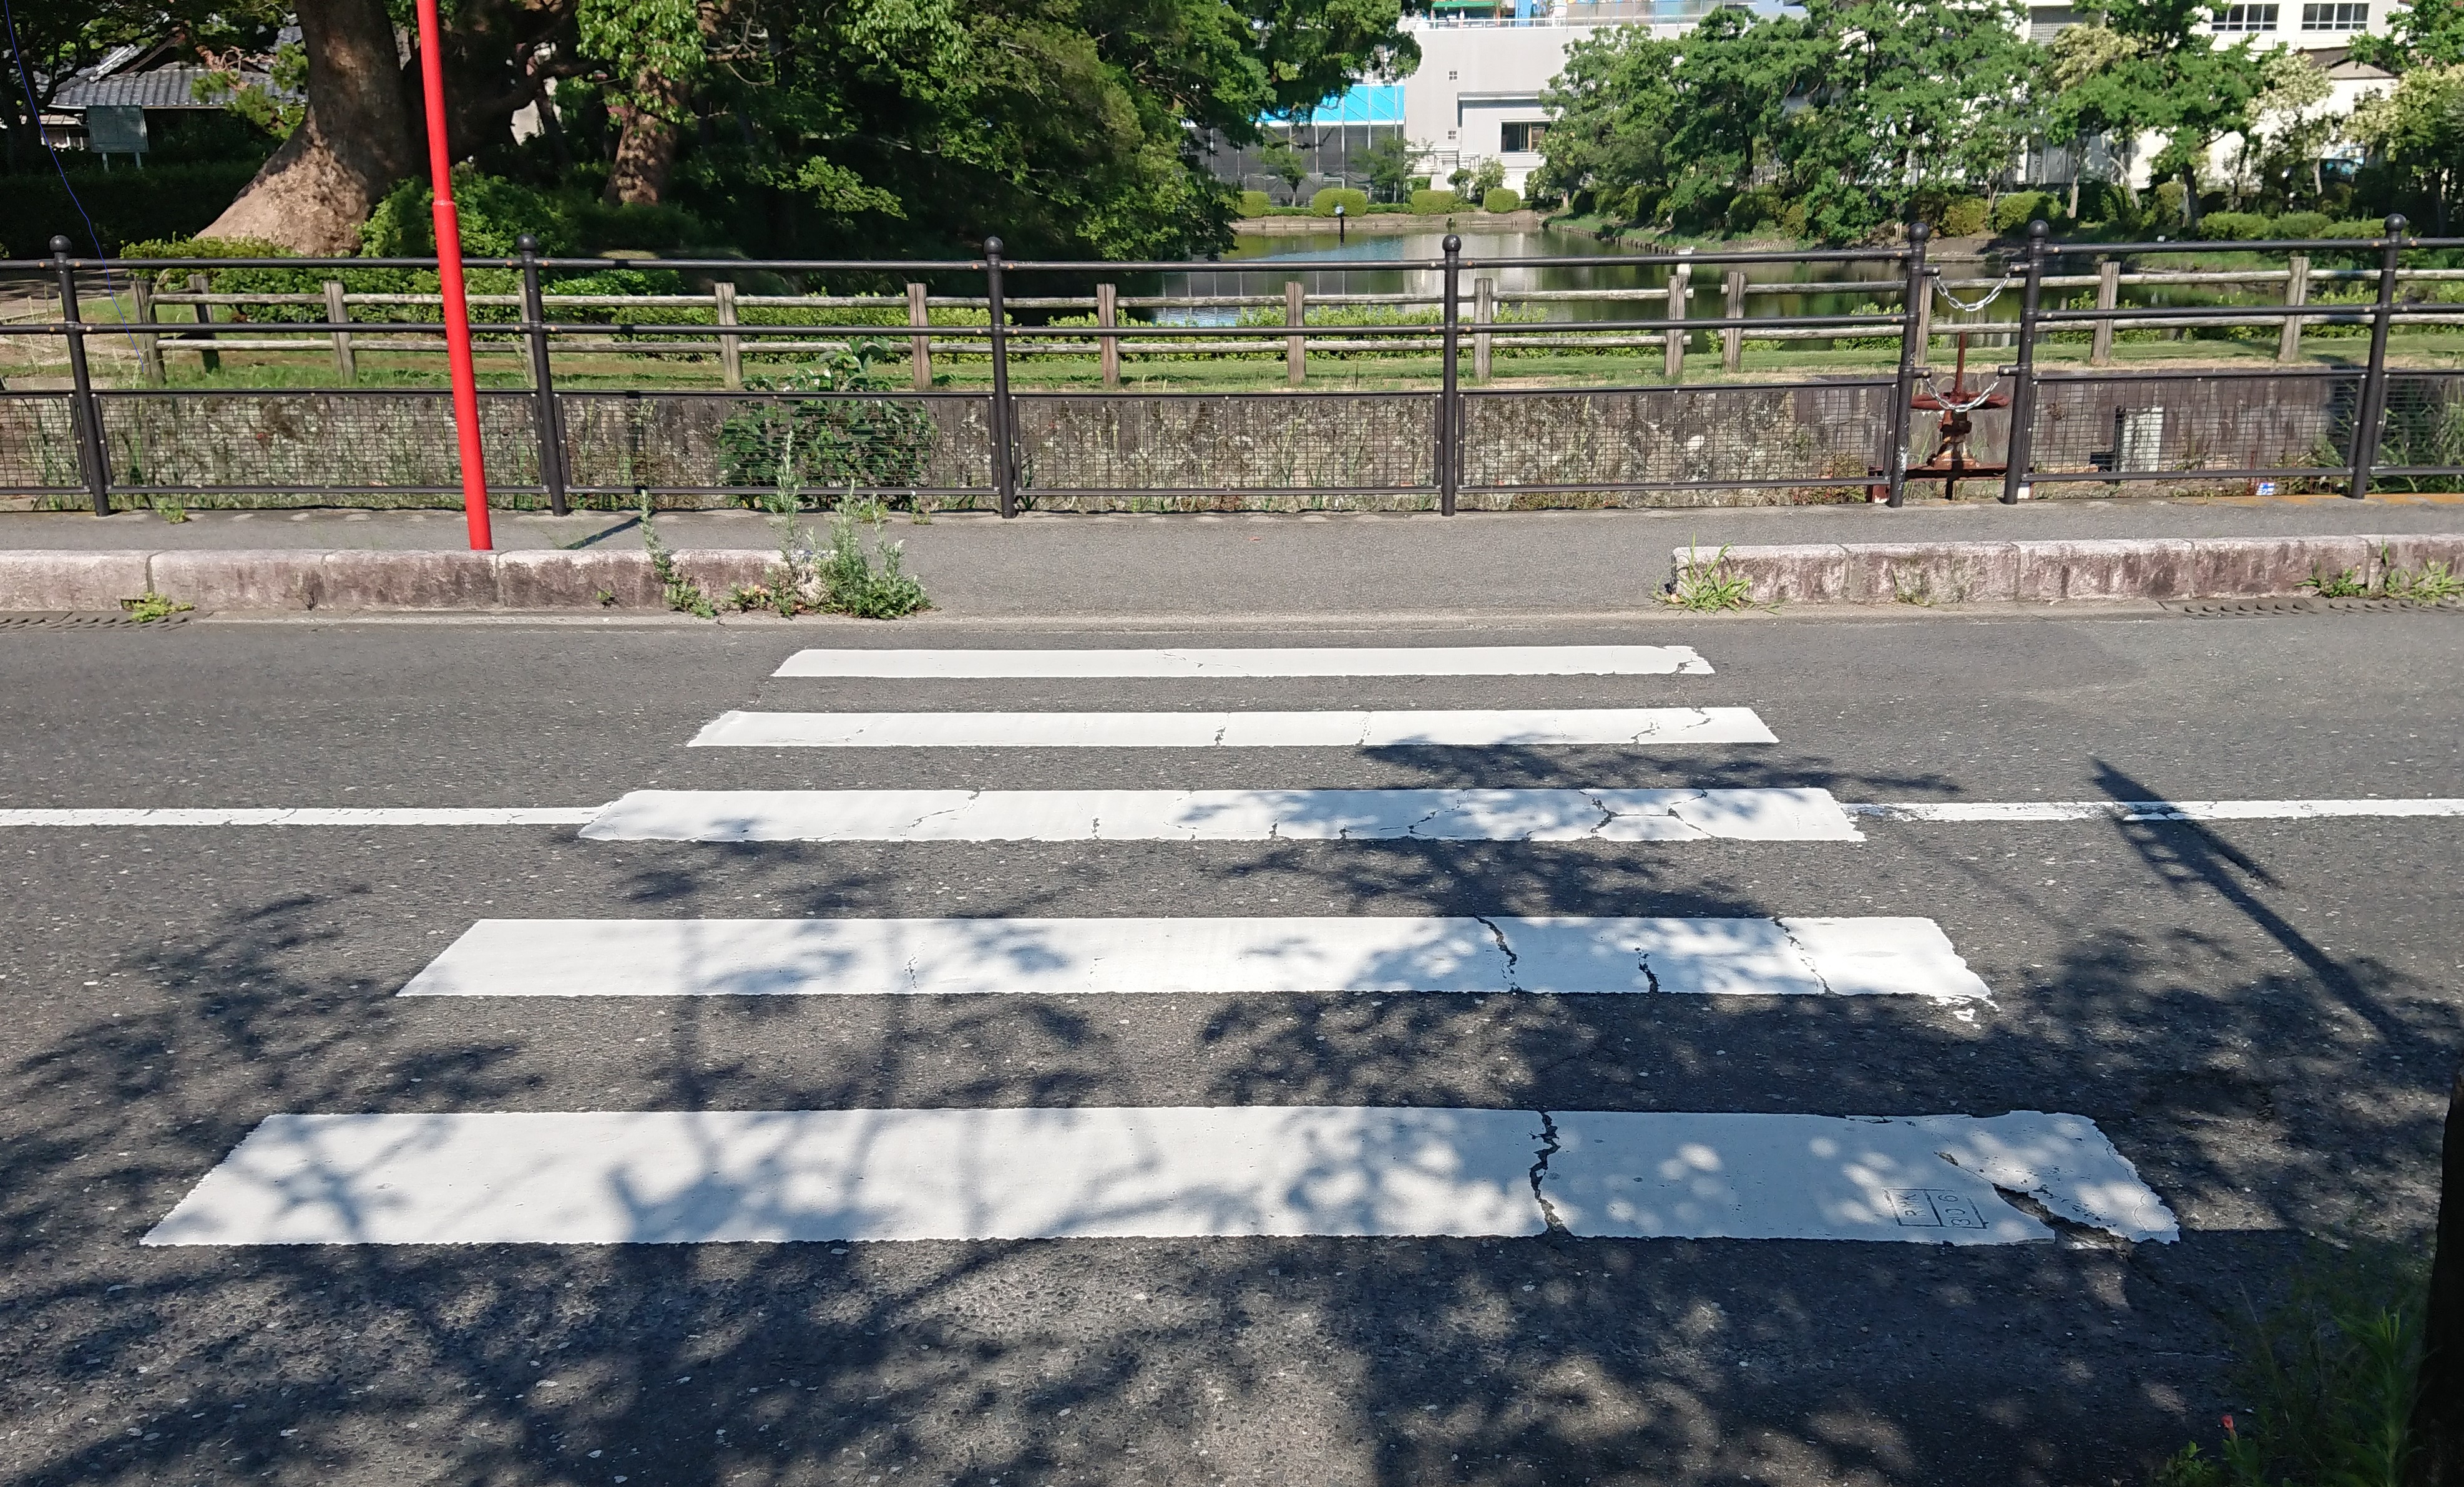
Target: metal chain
<point>1934,386</point>
<point>1960,304</point>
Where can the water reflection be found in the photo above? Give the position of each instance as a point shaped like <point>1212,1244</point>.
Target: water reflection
<point>1358,271</point>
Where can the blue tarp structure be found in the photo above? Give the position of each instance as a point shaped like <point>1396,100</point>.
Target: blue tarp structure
<point>1363,104</point>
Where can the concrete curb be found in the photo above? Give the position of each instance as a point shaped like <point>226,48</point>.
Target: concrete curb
<point>280,579</point>
<point>1949,573</point>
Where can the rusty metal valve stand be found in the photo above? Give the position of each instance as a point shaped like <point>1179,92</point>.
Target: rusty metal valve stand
<point>1950,460</point>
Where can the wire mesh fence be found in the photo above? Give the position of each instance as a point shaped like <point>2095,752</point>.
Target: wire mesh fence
<point>1782,438</point>
<point>2146,425</point>
<point>38,445</point>
<point>372,443</point>
<point>806,447</point>
<point>2423,436</point>
<point>1315,449</point>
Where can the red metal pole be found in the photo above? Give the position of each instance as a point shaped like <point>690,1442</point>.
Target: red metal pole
<point>449,276</point>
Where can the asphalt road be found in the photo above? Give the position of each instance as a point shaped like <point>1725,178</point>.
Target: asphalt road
<point>2261,1014</point>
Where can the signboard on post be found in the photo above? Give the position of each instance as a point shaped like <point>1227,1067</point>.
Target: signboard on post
<point>115,129</point>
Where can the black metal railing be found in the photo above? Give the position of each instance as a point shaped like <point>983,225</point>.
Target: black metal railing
<point>556,439</point>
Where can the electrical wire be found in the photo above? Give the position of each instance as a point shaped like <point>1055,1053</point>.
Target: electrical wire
<point>35,112</point>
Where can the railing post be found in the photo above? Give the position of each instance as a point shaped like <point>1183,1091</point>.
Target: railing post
<point>2108,298</point>
<point>338,312</point>
<point>730,348</point>
<point>2373,409</point>
<point>2296,291</point>
<point>1108,315</point>
<point>149,348</point>
<point>1484,312</point>
<point>1679,294</point>
<point>1296,344</point>
<point>84,413</point>
<point>545,413</point>
<point>1912,342</point>
<point>2021,446</point>
<point>919,348</point>
<point>208,360</point>
<point>1449,415</point>
<point>1004,460</point>
<point>1732,342</point>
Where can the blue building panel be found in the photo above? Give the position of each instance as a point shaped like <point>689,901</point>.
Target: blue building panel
<point>1363,104</point>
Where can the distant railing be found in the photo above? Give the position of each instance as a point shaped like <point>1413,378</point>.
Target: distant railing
<point>1013,448</point>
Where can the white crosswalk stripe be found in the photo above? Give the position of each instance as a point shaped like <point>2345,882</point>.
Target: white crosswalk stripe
<point>668,1177</point>
<point>1467,729</point>
<point>1256,662</point>
<point>1213,956</point>
<point>1092,1172</point>
<point>1223,816</point>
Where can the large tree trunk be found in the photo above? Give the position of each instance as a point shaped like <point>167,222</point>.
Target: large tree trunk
<point>355,142</point>
<point>647,139</point>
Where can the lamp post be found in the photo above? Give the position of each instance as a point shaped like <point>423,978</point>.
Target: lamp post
<point>1339,238</point>
<point>449,280</point>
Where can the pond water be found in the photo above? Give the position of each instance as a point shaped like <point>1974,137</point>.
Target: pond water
<point>1323,265</point>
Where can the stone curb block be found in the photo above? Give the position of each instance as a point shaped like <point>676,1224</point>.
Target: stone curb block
<point>1880,573</point>
<point>70,580</point>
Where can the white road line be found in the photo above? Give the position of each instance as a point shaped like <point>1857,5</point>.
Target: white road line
<point>1223,816</point>
<point>2151,810</point>
<point>1555,726</point>
<point>1258,662</point>
<point>1222,956</point>
<point>310,816</point>
<point>661,1177</point>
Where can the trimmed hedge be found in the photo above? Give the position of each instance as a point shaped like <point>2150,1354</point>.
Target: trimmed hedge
<point>127,202</point>
<point>1256,203</point>
<point>1962,216</point>
<point>1435,203</point>
<point>2017,208</point>
<point>1353,202</point>
<point>1502,198</point>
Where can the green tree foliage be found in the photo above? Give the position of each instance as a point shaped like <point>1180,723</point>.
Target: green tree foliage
<point>1851,113</point>
<point>2423,33</point>
<point>2418,127</point>
<point>2141,66</point>
<point>1389,161</point>
<point>1285,163</point>
<point>890,126</point>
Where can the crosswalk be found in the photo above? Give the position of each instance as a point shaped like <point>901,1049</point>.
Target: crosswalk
<point>1090,1173</point>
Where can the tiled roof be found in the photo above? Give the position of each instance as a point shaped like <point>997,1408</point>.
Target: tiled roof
<point>162,87</point>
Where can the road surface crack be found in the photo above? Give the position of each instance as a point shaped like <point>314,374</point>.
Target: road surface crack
<point>1804,956</point>
<point>1503,949</point>
<point>1540,1170</point>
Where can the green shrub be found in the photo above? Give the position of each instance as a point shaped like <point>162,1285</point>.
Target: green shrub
<point>2017,208</point>
<point>1502,198</point>
<point>1256,203</point>
<point>1435,201</point>
<point>825,443</point>
<point>494,212</point>
<point>1962,216</point>
<point>2236,225</point>
<point>2355,226</point>
<point>2302,224</point>
<point>2169,197</point>
<point>1353,202</point>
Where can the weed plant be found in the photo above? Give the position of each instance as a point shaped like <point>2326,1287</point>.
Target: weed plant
<point>150,606</point>
<point>2327,1374</point>
<point>680,592</point>
<point>2434,582</point>
<point>1709,588</point>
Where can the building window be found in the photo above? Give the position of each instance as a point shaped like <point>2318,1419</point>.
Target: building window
<point>2254,17</point>
<point>2337,15</point>
<point>1520,138</point>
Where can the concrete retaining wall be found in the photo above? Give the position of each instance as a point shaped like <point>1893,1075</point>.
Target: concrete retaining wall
<point>1882,573</point>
